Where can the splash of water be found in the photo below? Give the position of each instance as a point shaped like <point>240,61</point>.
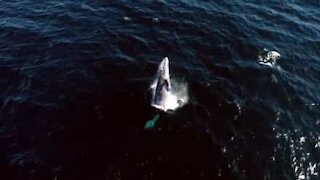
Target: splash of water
<point>177,97</point>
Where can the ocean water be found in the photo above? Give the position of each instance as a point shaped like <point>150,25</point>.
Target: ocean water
<point>74,79</point>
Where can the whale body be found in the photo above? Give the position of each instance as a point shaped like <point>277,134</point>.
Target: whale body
<point>268,57</point>
<point>161,91</point>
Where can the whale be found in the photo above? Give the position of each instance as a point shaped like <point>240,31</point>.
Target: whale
<point>162,89</point>
<point>268,58</point>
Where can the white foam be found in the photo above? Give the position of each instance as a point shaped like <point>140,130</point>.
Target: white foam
<point>177,97</point>
<point>268,59</point>
<point>302,163</point>
<point>266,63</point>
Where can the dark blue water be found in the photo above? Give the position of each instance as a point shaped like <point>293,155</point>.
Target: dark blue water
<point>74,79</point>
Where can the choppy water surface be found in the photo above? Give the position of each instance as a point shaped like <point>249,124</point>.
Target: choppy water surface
<point>74,79</point>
